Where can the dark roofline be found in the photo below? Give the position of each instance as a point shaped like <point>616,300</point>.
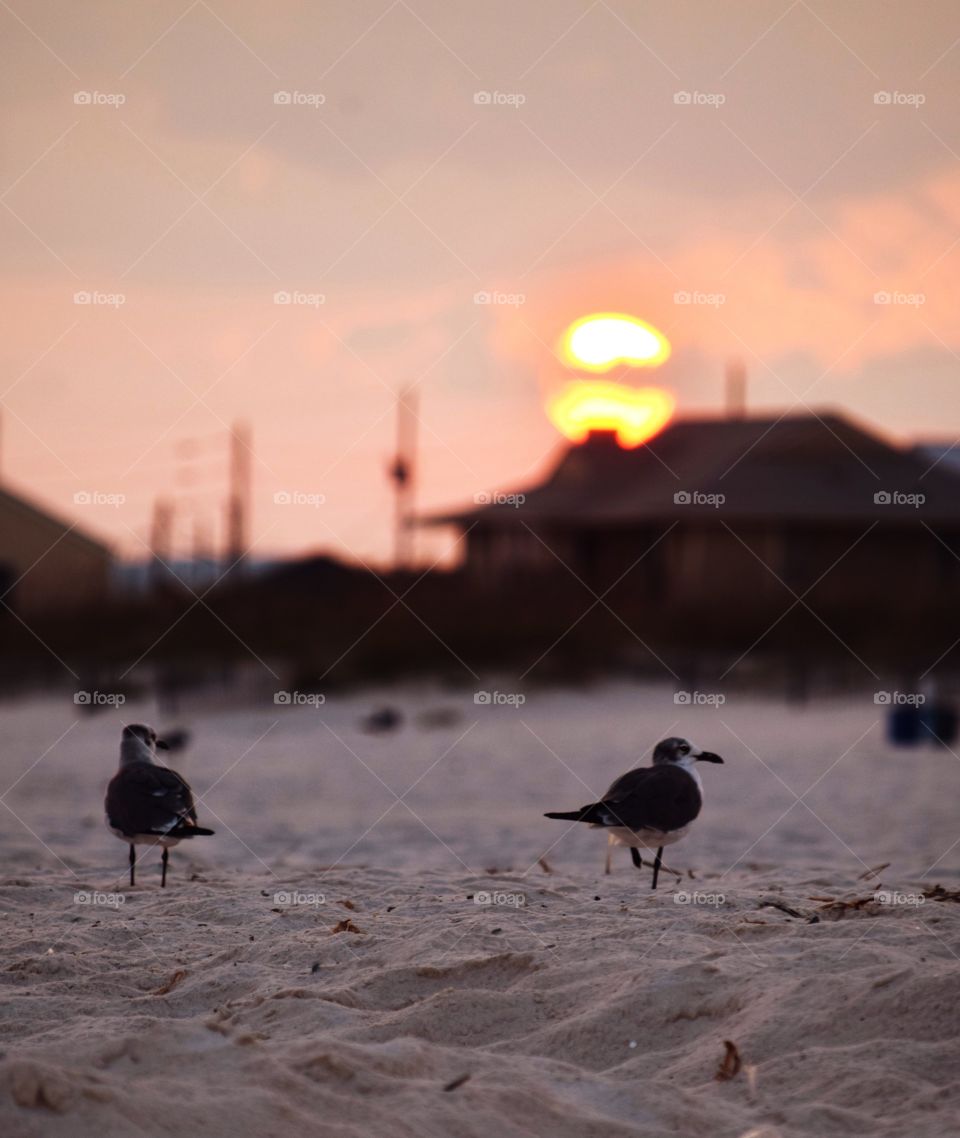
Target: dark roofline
<point>605,456</point>
<point>25,506</point>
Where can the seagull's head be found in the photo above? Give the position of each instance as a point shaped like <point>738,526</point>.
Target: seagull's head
<point>139,743</point>
<point>682,753</point>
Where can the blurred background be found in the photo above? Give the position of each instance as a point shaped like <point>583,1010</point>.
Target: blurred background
<point>490,346</point>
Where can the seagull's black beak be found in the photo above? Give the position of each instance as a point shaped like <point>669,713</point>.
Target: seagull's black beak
<point>708,757</point>
<point>162,746</point>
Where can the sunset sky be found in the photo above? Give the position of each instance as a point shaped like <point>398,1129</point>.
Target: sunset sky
<point>755,179</point>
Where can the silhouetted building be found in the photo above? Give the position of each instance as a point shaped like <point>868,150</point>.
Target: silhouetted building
<point>732,511</point>
<point>46,563</point>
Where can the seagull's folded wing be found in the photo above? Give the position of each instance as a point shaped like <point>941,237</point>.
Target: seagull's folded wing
<point>657,798</point>
<point>147,799</point>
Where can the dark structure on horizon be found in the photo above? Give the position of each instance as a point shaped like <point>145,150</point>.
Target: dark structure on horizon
<point>733,512</point>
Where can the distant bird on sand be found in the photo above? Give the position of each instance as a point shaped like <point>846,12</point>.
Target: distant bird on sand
<point>650,807</point>
<point>382,720</point>
<point>148,804</point>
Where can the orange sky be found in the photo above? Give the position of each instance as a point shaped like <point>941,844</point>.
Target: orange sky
<point>753,178</point>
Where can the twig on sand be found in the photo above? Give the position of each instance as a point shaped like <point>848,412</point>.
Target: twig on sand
<point>873,872</point>
<point>457,1082</point>
<point>544,865</point>
<point>730,1064</point>
<point>165,989</point>
<point>769,904</point>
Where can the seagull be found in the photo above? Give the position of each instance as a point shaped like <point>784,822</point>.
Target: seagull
<point>650,807</point>
<point>148,804</point>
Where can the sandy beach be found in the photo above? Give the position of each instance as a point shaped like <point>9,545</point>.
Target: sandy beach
<point>385,936</point>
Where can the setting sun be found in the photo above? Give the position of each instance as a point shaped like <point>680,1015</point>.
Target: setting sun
<point>604,340</point>
<point>586,405</point>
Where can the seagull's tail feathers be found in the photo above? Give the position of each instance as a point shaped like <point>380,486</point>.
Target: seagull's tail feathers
<point>589,813</point>
<point>190,832</point>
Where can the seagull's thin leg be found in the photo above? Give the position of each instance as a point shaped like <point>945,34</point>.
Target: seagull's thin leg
<point>163,862</point>
<point>656,867</point>
<point>133,862</point>
<point>637,859</point>
<point>606,868</point>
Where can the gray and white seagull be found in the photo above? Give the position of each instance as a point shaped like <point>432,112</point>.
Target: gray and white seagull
<point>650,807</point>
<point>149,804</point>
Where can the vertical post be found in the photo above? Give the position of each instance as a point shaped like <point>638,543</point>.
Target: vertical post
<point>161,527</point>
<point>736,390</point>
<point>402,474</point>
<point>238,501</point>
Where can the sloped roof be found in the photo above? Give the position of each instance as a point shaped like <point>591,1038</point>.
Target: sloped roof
<point>813,467</point>
<point>57,528</point>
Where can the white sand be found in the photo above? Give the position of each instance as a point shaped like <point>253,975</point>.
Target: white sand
<point>274,1024</point>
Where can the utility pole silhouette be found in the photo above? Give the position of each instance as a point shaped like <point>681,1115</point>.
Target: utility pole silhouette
<point>238,500</point>
<point>402,474</point>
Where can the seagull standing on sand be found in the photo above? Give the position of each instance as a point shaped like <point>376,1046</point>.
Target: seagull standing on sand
<point>650,807</point>
<point>148,804</point>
